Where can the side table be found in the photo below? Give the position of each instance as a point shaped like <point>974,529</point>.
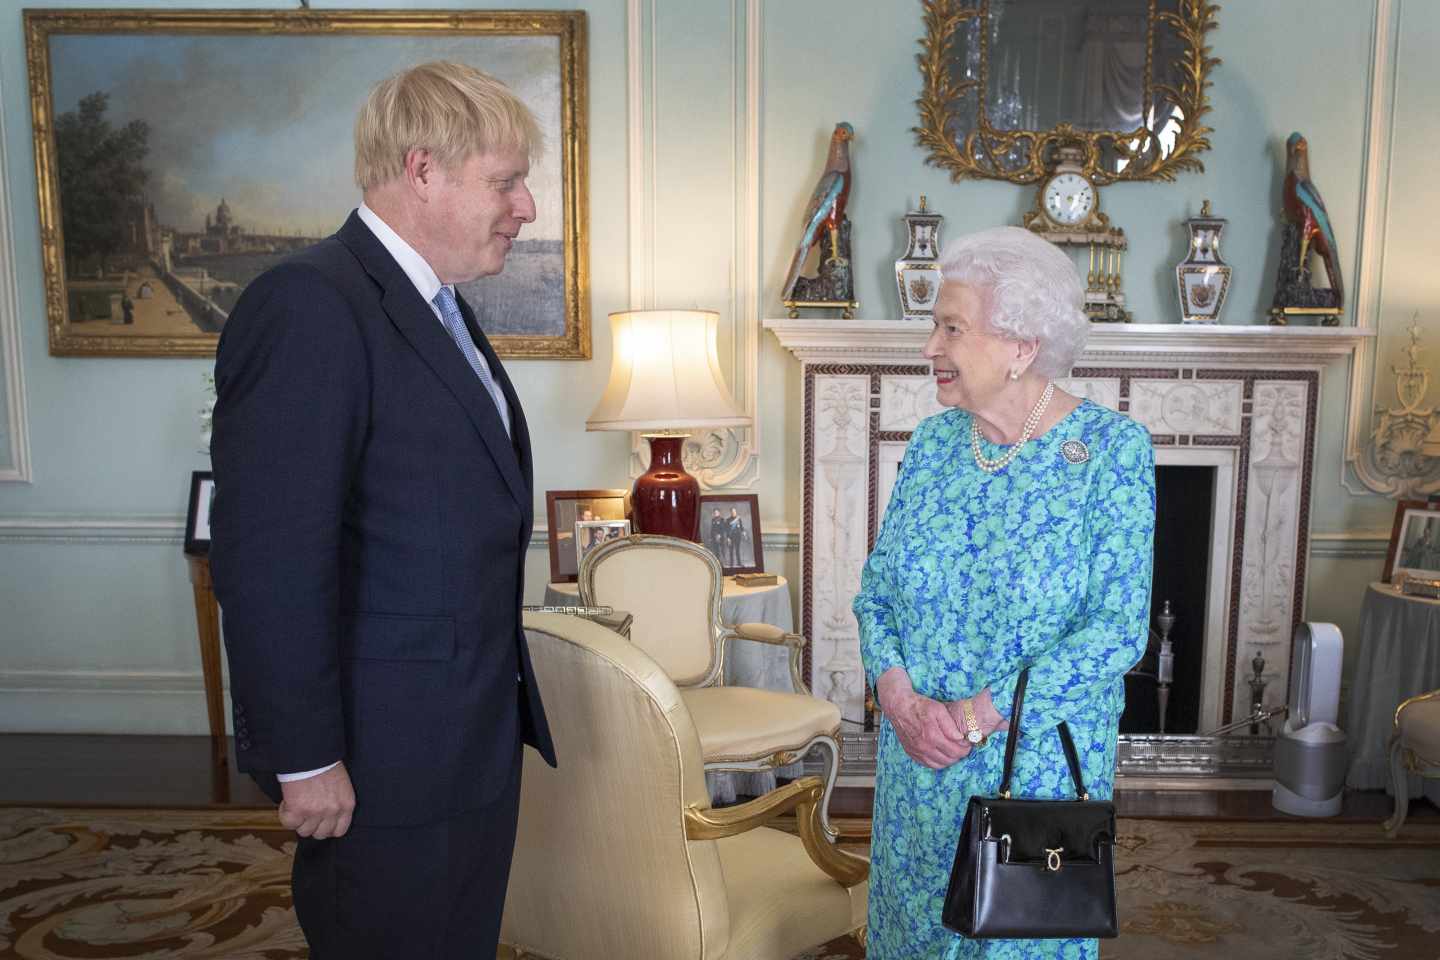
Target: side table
<point>1399,658</point>
<point>207,622</point>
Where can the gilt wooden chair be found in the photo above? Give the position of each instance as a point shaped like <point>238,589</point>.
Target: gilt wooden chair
<point>673,589</point>
<point>618,852</point>
<point>1414,748</point>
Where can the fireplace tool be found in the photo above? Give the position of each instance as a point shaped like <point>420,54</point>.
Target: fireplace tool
<point>1164,661</point>
<point>1259,713</point>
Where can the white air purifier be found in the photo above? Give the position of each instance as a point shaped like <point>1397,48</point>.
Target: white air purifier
<point>1310,753</point>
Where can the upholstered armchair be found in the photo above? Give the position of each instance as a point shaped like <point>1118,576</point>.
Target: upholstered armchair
<point>673,588</point>
<point>1414,748</point>
<point>618,853</point>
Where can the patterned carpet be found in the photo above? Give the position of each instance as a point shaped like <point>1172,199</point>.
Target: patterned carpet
<point>163,884</point>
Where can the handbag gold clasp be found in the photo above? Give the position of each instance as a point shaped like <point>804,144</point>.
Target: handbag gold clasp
<point>1052,859</point>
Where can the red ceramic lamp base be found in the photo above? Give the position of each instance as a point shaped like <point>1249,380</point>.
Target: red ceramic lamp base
<point>666,498</point>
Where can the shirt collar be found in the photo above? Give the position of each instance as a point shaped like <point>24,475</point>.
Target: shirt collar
<point>421,274</point>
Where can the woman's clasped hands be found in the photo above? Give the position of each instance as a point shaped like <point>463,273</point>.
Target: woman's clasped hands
<point>932,732</point>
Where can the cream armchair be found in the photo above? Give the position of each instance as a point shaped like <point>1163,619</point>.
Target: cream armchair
<point>673,588</point>
<point>618,853</point>
<point>1414,748</point>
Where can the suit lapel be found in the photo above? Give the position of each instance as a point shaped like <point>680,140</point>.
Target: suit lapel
<point>418,324</point>
<point>519,431</point>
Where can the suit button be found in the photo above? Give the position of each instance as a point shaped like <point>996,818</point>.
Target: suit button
<point>242,743</point>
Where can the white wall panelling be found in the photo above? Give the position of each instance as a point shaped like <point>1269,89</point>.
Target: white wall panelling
<point>15,438</point>
<point>662,240</point>
<point>1365,299</point>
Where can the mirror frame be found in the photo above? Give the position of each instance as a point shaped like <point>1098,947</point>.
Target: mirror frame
<point>978,157</point>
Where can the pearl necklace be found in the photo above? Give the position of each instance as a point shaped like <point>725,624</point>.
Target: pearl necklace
<point>1031,422</point>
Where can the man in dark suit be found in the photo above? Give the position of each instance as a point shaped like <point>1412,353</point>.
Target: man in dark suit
<point>717,536</point>
<point>373,507</point>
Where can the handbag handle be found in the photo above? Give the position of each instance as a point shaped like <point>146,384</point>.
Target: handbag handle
<point>1071,757</point>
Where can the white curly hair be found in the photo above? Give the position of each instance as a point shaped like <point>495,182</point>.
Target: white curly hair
<point>1031,290</point>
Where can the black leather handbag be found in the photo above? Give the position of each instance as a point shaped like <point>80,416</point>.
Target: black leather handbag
<point>1034,869</point>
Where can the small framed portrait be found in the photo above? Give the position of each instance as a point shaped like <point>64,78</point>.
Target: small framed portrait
<point>197,516</point>
<point>730,529</point>
<point>589,534</point>
<point>563,510</point>
<point>1414,541</point>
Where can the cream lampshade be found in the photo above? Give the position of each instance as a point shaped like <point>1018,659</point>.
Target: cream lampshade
<point>665,380</point>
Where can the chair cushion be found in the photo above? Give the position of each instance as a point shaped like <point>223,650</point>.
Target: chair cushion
<point>742,723</point>
<point>1419,729</point>
<point>780,902</point>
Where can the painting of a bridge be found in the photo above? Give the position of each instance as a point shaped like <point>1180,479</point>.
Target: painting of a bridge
<point>180,154</point>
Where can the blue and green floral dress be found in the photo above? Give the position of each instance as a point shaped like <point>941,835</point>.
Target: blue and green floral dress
<point>974,576</point>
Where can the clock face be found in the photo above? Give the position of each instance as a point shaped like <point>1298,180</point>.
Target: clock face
<point>1069,198</point>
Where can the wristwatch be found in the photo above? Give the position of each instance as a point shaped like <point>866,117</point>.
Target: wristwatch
<point>972,725</point>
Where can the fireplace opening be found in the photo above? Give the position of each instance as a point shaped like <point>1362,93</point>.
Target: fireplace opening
<point>1184,511</point>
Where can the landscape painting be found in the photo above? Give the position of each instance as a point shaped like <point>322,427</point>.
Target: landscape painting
<point>180,154</point>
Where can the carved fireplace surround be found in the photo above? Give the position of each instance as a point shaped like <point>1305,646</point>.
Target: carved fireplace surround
<point>1240,399</point>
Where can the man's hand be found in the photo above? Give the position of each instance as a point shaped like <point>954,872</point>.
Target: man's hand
<point>320,806</point>
<point>924,726</point>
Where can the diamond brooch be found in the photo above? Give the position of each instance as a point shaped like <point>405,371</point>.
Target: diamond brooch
<point>1075,451</point>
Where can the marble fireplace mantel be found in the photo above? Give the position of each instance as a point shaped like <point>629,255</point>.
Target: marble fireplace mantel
<point>1240,399</point>
<point>890,341</point>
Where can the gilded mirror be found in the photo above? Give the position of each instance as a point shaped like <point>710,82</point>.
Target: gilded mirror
<point>1006,81</point>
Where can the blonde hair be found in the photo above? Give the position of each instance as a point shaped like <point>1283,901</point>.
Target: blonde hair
<point>447,108</point>
<point>1032,289</point>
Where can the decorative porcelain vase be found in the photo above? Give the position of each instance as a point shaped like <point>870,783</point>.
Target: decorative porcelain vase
<point>917,273</point>
<point>666,499</point>
<point>1202,278</point>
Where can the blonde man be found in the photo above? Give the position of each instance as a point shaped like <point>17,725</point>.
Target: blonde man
<point>373,508</point>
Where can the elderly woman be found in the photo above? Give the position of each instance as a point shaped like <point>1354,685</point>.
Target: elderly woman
<point>1019,534</point>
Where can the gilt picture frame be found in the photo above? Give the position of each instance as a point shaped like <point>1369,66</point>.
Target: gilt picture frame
<point>162,194</point>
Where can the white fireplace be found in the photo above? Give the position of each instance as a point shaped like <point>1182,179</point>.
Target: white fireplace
<point>1242,400</point>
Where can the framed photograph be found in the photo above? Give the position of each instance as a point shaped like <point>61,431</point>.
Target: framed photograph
<point>730,529</point>
<point>197,515</point>
<point>1414,540</point>
<point>589,534</point>
<point>166,146</point>
<point>563,510</point>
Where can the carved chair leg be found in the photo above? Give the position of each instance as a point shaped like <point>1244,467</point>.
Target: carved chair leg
<point>832,774</point>
<point>1400,783</point>
<point>861,936</point>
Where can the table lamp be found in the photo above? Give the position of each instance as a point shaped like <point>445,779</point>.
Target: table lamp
<point>665,380</point>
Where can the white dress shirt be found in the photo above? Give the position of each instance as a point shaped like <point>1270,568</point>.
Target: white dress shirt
<point>422,275</point>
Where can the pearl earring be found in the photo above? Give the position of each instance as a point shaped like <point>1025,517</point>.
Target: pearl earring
<point>1014,374</point>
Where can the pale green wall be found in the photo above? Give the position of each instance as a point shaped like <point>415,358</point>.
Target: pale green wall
<point>98,631</point>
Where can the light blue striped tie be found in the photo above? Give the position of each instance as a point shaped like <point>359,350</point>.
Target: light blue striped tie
<point>455,324</point>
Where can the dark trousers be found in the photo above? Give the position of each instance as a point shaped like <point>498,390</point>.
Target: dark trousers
<point>432,892</point>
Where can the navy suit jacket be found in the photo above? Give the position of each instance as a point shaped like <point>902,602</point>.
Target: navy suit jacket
<point>369,531</point>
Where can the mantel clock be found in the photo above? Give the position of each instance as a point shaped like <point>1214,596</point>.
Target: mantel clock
<point>1067,213</point>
